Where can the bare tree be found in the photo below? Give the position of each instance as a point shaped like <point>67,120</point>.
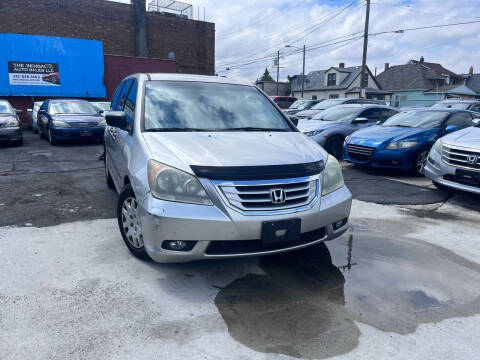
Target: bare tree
<point>141,27</point>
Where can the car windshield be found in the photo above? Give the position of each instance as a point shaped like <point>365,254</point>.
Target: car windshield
<point>202,106</point>
<point>302,105</point>
<point>325,104</point>
<point>449,105</point>
<point>74,107</point>
<point>102,105</point>
<point>36,105</point>
<point>337,113</point>
<point>6,109</point>
<point>417,119</point>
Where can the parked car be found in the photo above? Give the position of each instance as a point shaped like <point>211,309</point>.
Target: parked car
<point>454,160</point>
<point>404,140</point>
<point>53,78</point>
<point>330,127</point>
<point>69,120</point>
<point>101,106</point>
<point>300,105</point>
<point>222,178</point>
<point>472,105</point>
<point>283,102</point>
<point>325,104</point>
<point>32,115</point>
<point>10,127</point>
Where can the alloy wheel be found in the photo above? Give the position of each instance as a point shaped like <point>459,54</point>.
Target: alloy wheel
<point>421,161</point>
<point>131,222</point>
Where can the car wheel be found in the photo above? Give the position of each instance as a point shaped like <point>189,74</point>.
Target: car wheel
<point>334,146</point>
<point>420,162</point>
<point>129,222</point>
<point>19,142</point>
<point>440,186</point>
<point>108,177</point>
<point>40,134</point>
<point>51,139</point>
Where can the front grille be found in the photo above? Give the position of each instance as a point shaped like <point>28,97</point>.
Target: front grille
<point>82,124</point>
<point>359,152</point>
<point>253,246</point>
<point>461,157</point>
<point>257,195</point>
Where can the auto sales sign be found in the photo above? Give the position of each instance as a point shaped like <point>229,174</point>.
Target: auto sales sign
<point>33,73</point>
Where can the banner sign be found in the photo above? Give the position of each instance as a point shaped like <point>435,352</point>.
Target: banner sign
<point>33,73</point>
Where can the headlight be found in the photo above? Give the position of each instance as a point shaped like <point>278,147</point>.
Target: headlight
<point>332,176</point>
<point>102,123</point>
<point>313,133</point>
<point>438,146</point>
<point>13,123</point>
<point>168,183</point>
<point>401,145</point>
<point>58,123</point>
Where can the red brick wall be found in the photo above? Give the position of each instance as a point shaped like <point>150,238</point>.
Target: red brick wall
<point>113,23</point>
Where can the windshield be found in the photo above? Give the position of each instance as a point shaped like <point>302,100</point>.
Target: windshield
<point>102,105</point>
<point>459,105</point>
<point>74,107</point>
<point>417,119</point>
<point>325,104</point>
<point>200,106</point>
<point>302,105</point>
<point>5,108</point>
<point>36,105</point>
<point>337,113</point>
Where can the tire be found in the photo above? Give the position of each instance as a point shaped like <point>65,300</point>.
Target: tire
<point>131,230</point>
<point>420,162</point>
<point>19,142</point>
<point>334,146</point>
<point>441,187</point>
<point>51,139</point>
<point>108,177</point>
<point>40,134</point>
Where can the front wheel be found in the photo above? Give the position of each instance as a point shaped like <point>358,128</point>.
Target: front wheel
<point>108,177</point>
<point>420,162</point>
<point>128,217</point>
<point>334,146</point>
<point>51,139</point>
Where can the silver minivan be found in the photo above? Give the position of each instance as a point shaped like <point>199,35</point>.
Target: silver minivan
<point>211,168</point>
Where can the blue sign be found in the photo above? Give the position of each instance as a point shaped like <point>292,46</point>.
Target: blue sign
<point>32,65</point>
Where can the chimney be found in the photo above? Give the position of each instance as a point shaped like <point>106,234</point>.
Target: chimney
<point>470,71</point>
<point>341,65</point>
<point>422,59</point>
<point>387,66</point>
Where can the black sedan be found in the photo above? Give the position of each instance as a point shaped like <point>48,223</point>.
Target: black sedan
<point>10,130</point>
<point>70,120</point>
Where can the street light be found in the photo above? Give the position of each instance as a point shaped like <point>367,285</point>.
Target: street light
<point>303,71</point>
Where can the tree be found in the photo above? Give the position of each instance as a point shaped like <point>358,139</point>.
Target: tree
<point>141,27</point>
<point>266,76</point>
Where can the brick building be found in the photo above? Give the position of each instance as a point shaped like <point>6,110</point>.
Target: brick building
<point>192,41</point>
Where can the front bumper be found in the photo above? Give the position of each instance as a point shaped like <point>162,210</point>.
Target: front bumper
<point>11,134</point>
<point>403,159</point>
<point>96,132</point>
<point>163,220</point>
<point>444,174</point>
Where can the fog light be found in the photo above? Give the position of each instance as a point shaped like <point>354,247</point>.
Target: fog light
<point>431,161</point>
<point>178,245</point>
<point>337,225</point>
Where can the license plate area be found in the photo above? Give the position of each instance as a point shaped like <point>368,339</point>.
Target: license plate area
<point>282,230</point>
<point>468,177</point>
<point>85,133</point>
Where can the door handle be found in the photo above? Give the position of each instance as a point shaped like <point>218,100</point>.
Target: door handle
<point>113,132</point>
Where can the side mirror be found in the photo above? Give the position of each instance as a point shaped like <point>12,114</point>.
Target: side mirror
<point>476,122</point>
<point>100,112</point>
<point>117,119</point>
<point>360,120</point>
<point>294,120</point>
<point>42,112</point>
<point>18,112</point>
<point>451,128</point>
<point>379,123</point>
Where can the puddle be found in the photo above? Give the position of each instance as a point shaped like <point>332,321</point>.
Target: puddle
<point>306,303</point>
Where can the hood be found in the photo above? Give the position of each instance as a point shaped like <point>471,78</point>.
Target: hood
<point>70,118</point>
<point>378,135</point>
<point>469,137</point>
<point>311,125</point>
<point>183,149</point>
<point>309,113</point>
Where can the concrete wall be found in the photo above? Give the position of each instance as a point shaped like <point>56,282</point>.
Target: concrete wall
<point>113,23</point>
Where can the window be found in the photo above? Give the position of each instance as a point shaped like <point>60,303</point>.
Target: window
<point>44,106</point>
<point>332,79</point>
<point>386,113</point>
<point>462,120</point>
<point>314,97</point>
<point>333,96</point>
<point>291,100</point>
<point>131,102</point>
<point>117,95</point>
<point>122,98</point>
<point>372,114</point>
<point>475,108</point>
<point>396,101</point>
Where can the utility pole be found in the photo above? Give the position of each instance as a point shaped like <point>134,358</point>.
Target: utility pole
<point>278,67</point>
<point>364,76</point>
<point>303,71</point>
<point>141,28</point>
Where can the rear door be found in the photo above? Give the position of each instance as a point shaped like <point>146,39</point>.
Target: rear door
<point>42,119</point>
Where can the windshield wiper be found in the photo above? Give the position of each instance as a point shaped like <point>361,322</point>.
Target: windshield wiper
<point>176,129</point>
<point>251,128</point>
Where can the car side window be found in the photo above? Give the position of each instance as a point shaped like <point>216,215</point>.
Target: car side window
<point>122,99</point>
<point>462,120</point>
<point>386,113</point>
<point>131,103</point>
<point>372,115</point>
<point>475,108</point>
<point>44,106</point>
<point>117,95</point>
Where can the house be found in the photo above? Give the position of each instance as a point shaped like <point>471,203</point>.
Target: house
<point>337,82</point>
<point>419,83</point>
<point>469,90</point>
<point>270,87</point>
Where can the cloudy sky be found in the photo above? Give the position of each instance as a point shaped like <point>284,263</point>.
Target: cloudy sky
<point>250,32</point>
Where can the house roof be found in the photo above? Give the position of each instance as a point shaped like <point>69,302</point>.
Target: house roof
<point>473,82</point>
<point>414,75</point>
<point>462,90</point>
<point>316,79</point>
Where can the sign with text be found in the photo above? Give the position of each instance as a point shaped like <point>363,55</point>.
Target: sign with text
<point>33,73</point>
